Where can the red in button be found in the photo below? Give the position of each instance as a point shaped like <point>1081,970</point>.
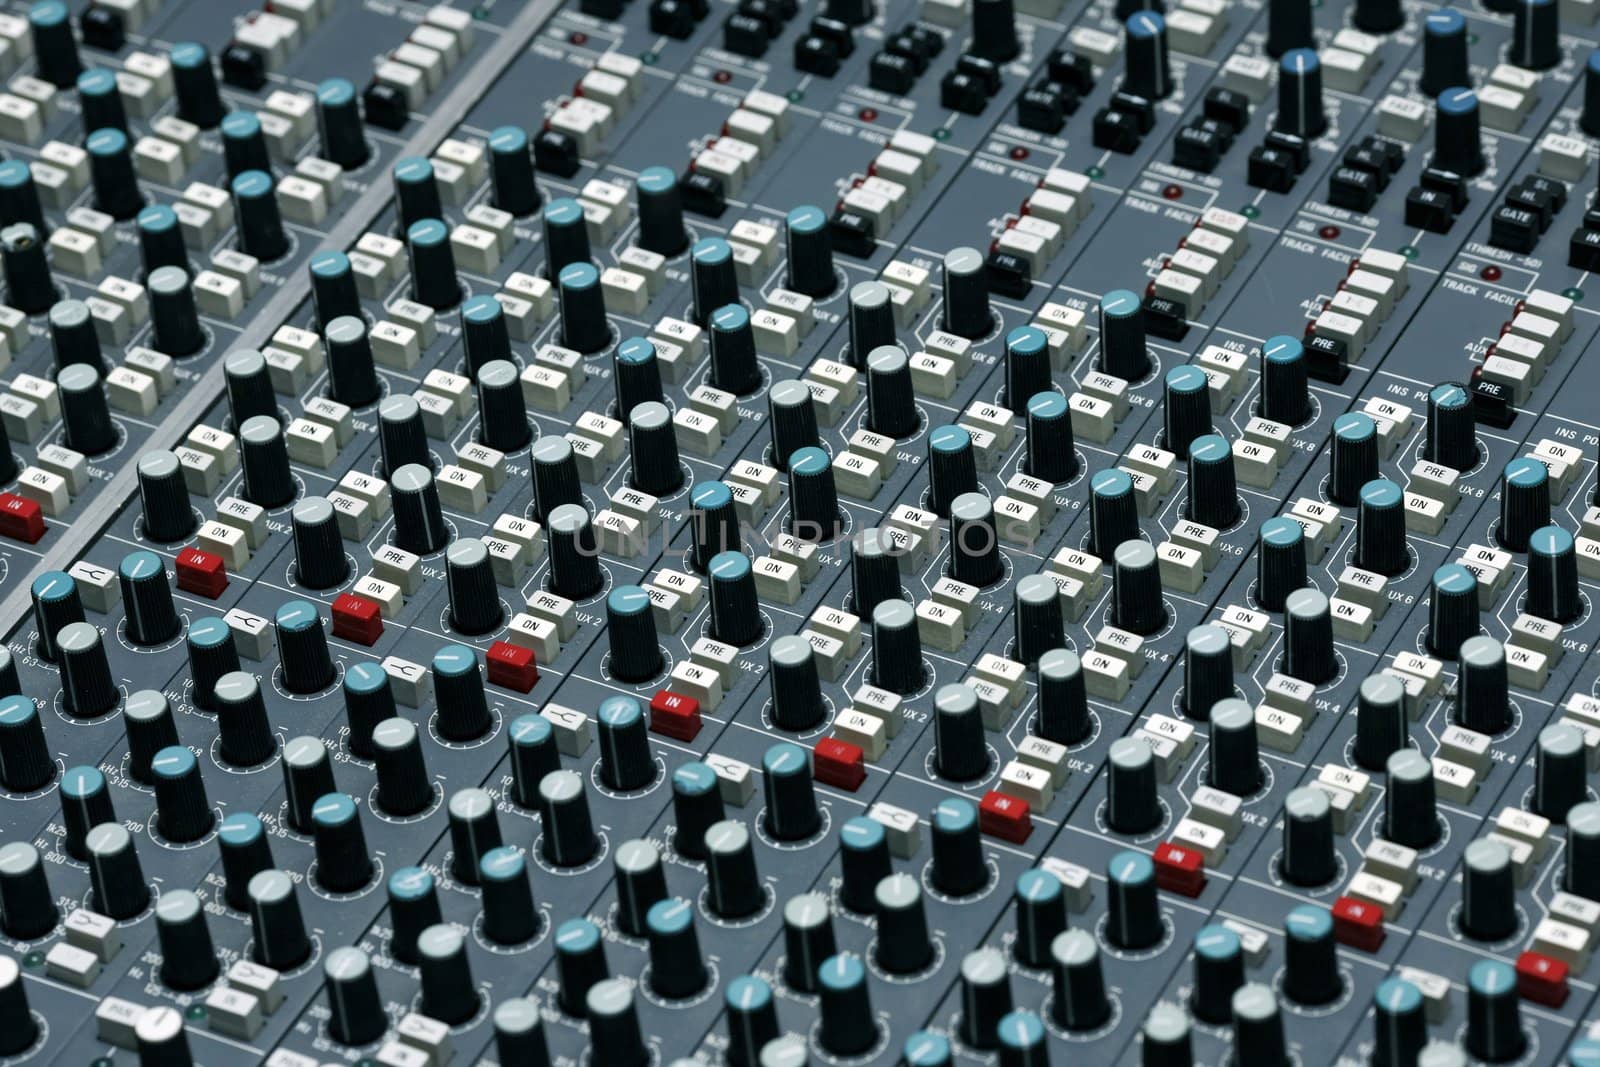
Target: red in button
<point>838,763</point>
<point>1005,817</point>
<point>21,519</point>
<point>674,715</point>
<point>1541,979</point>
<point>357,619</point>
<point>201,573</point>
<point>1179,870</point>
<point>1357,924</point>
<point>511,666</point>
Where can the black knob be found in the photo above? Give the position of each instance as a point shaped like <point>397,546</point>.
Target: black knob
<point>511,181</point>
<point>1166,1037</point>
<point>1133,915</point>
<point>994,31</point>
<point>614,1025</point>
<point>952,467</point>
<point>116,187</point>
<point>533,755</point>
<point>355,1009</point>
<point>793,418</point>
<point>1311,968</point>
<point>343,864</point>
<point>848,1026</point>
<point>808,940</point>
<point>99,100</point>
<point>449,993</point>
<point>87,688</point>
<point>1488,892</point>
<point>419,524</point>
<point>714,277</point>
<point>1559,771</point>
<point>733,367</point>
<point>1280,562</point>
<point>966,294</point>
<point>1300,94</point>
<point>416,191</point>
<point>56,604</point>
<point>580,963</point>
<point>302,647</point>
<point>1213,490</point>
<point>1409,816</point>
<point>404,787</point>
<point>896,648</point>
<point>752,1019</point>
<point>1284,396</point>
<point>793,684</point>
<point>53,44</point>
<point>307,777</point>
<point>959,867</point>
<point>1041,917</point>
<point>29,287</point>
<point>85,796</point>
<point>433,267</point>
<point>660,212</point>
<point>1553,575</point>
<point>72,335</point>
<point>1122,339</point>
<point>1149,71</point>
<point>168,518</point>
<point>320,561</point>
<point>519,1032</point>
<point>1136,602</point>
<point>874,570</point>
<point>555,476</point>
<point>413,908</point>
<point>974,545</point>
<point>1583,849</point>
<point>733,886</point>
<point>653,446</point>
<point>1452,609</point>
<point>1308,638</point>
<point>1132,806</point>
<point>1535,42</point>
<point>960,752</point>
<point>161,1040</point>
<point>244,144</point>
<point>486,339</point>
<point>903,945</point>
<point>641,881</point>
<point>402,439</point>
<point>30,910</point>
<point>339,124</point>
<point>260,222</point>
<point>1063,699</point>
<point>509,914</point>
<point>1494,1016</point>
<point>174,317</point>
<point>696,804</point>
<point>188,959</point>
<point>1589,121</point>
<point>333,286</point>
<point>1235,752</point>
<point>1381,529</point>
<point>891,406</point>
<point>1307,858</point>
<point>249,386</point>
<point>1451,437</point>
<point>1113,511</point>
<point>863,863</point>
<point>1444,52</point>
<point>582,301</point>
<point>813,497</point>
<point>1399,1023</point>
<point>1458,144</point>
<point>458,688</point>
<point>1289,26</point>
<point>245,851</point>
<point>735,611</point>
<point>352,377</point>
<point>1482,703</point>
<point>713,523</point>
<point>1258,1035</point>
<point>115,875</point>
<point>19,195</point>
<point>791,812</point>
<point>368,700</point>
<point>1050,451</point>
<point>1218,973</point>
<point>264,456</point>
<point>245,737</point>
<point>9,685</point>
<point>871,320</point>
<point>474,601</point>
<point>631,628</point>
<point>1524,502</point>
<point>637,373</point>
<point>194,81</point>
<point>810,251</point>
<point>568,838</point>
<point>25,760</point>
<point>626,762</point>
<point>1039,624</point>
<point>566,235</point>
<point>1353,462</point>
<point>1378,16</point>
<point>677,969</point>
<point>985,996</point>
<point>1380,721</point>
<point>574,559</point>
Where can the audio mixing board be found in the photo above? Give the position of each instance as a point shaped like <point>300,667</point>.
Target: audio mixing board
<point>761,532</point>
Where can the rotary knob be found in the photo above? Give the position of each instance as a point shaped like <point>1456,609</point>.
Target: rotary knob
<point>994,30</point>
<point>433,269</point>
<point>1132,806</point>
<point>631,628</point>
<point>793,419</point>
<point>871,320</point>
<point>333,287</point>
<point>1535,35</point>
<point>1553,575</point>
<point>1186,404</point>
<point>874,570</point>
<point>245,852</point>
<point>1213,495</point>
<point>355,1009</point>
<point>413,908</point>
<point>1063,715</point>
<point>343,864</point>
<point>713,276</point>
<point>1258,1035</point>
<point>1488,892</point>
<point>626,762</point>
<point>85,797</point>
<point>733,886</point>
<point>1524,502</point>
<point>1280,562</point>
<point>416,191</point>
<point>115,874</point>
<point>307,777</point>
<point>1494,1015</point>
<point>260,222</point>
<point>891,406</point>
<point>464,713</point>
<point>1409,816</point>
<point>26,764</point>
<point>660,202</point>
<point>653,447</point>
<point>1399,1023</point>
<point>1300,111</point>
<point>1051,453</point>
<point>87,688</point>
<point>974,544</point>
<point>1311,969</point>
<point>574,556</point>
<point>1284,396</point>
<point>1207,670</point>
<point>791,804</point>
<point>752,1019</point>
<point>1308,638</point>
<point>1380,720</point>
<point>303,654</point>
<point>713,523</point>
<point>320,561</point>
<point>183,813</point>
<point>1452,609</point>
<point>959,868</point>
<point>533,755</point>
<point>735,611</point>
<point>794,686</point>
<point>352,377</point>
<point>1288,26</point>
<point>1235,752</point>
<point>1353,462</point>
<point>368,700</point>
<point>1308,857</point>
<point>1122,337</point>
<point>985,997</point>
<point>952,467</point>
<point>56,605</point>
<point>848,1026</point>
<point>404,787</point>
<point>637,372</point>
<point>249,386</point>
<point>568,838</point>
<point>960,752</point>
<point>581,962</point>
<point>1378,16</point>
<point>896,648</point>
<point>188,959</point>
<point>469,579</point>
<point>863,863</point>
<point>1136,602</point>
<point>30,910</point>
<point>1133,914</point>
<point>903,945</point>
<point>1381,529</point>
<point>519,1032</point>
<point>1149,70</point>
<point>734,367</point>
<point>1444,51</point>
<point>566,236</point>
<point>1113,511</point>
<point>1458,144</point>
<point>1482,703</point>
<point>512,187</point>
<point>449,993</point>
<point>1451,432</point>
<point>1559,771</point>
<point>966,293</point>
<point>72,335</point>
<point>1039,624</point>
<point>641,882</point>
<point>18,1027</point>
<point>245,737</point>
<point>813,497</point>
<point>614,1025</point>
<point>696,804</point>
<point>1582,876</point>
<point>810,251</point>
<point>677,969</point>
<point>1218,973</point>
<point>807,939</point>
<point>264,457</point>
<point>509,914</point>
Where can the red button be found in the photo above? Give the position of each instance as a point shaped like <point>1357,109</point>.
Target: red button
<point>357,619</point>
<point>674,715</point>
<point>1180,870</point>
<point>838,763</point>
<point>1541,979</point>
<point>21,519</point>
<point>1005,817</point>
<point>511,666</point>
<point>1357,924</point>
<point>201,573</point>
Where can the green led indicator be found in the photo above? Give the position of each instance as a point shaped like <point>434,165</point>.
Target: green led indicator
<point>1573,294</point>
<point>1250,211</point>
<point>1095,173</point>
<point>648,59</point>
<point>795,95</point>
<point>1409,251</point>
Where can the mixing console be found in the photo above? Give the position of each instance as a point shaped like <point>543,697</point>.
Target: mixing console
<point>912,532</point>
